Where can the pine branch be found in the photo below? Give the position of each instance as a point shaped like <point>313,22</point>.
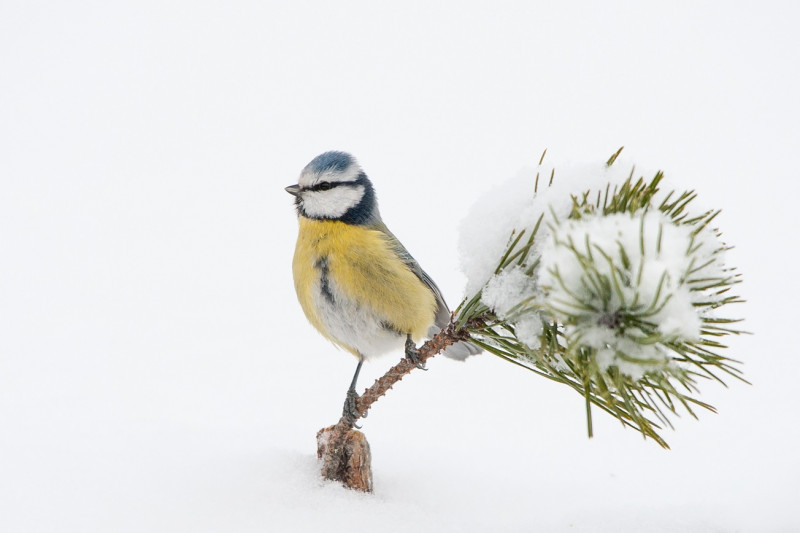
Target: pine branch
<point>591,314</point>
<point>446,337</point>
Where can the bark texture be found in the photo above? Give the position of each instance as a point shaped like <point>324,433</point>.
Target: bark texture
<point>346,457</point>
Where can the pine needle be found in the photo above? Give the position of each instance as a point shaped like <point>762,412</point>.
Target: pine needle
<point>667,383</point>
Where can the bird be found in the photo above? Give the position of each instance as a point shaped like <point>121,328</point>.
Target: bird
<point>355,281</point>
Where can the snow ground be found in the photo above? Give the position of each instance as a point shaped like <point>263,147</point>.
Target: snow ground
<point>156,373</point>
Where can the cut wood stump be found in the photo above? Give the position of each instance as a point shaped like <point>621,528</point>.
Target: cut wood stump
<point>345,457</point>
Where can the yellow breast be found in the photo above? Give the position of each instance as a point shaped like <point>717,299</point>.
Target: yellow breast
<point>358,266</point>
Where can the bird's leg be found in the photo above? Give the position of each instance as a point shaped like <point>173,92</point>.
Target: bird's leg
<point>412,354</point>
<point>350,409</point>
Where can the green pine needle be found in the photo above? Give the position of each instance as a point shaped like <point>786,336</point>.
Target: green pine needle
<point>670,367</point>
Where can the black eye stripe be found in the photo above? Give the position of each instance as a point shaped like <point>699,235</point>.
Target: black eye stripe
<point>327,185</point>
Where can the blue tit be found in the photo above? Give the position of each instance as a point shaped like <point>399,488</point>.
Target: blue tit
<point>357,284</point>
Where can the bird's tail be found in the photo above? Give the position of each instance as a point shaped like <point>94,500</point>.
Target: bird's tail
<point>461,351</point>
<point>458,351</point>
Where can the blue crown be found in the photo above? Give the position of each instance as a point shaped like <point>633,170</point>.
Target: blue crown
<point>331,161</point>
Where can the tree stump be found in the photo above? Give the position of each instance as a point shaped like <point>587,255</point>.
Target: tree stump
<point>345,457</point>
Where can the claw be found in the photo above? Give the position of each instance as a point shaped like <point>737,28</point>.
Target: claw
<point>412,354</point>
<point>350,408</point>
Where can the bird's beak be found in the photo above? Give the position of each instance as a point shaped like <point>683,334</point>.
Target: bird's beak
<point>294,190</point>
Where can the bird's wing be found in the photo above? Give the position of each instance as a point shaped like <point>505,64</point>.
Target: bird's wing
<point>460,350</point>
<point>442,311</point>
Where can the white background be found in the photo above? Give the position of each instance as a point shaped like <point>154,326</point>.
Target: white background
<point>156,372</point>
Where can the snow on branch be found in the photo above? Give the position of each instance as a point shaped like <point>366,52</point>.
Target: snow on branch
<point>618,291</point>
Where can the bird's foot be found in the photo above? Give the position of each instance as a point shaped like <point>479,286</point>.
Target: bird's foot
<point>412,354</point>
<point>350,410</point>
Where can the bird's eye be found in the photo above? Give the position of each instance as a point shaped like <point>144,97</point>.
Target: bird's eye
<point>324,186</point>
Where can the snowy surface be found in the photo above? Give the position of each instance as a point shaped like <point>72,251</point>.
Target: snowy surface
<point>156,373</point>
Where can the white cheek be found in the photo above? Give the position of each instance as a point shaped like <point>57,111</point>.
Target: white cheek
<point>332,203</point>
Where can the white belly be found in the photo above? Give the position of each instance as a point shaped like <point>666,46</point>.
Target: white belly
<point>354,325</point>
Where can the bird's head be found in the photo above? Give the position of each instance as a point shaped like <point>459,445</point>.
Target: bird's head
<point>333,187</point>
